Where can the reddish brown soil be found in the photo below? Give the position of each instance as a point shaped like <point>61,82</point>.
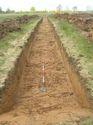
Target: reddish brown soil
<point>59,103</point>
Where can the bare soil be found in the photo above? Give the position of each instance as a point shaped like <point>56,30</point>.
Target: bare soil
<point>59,103</point>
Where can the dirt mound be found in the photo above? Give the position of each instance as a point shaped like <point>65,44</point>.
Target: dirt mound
<point>84,22</point>
<point>23,19</point>
<point>13,24</point>
<point>8,26</point>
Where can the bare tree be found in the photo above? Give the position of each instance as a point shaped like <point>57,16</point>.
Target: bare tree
<point>59,8</point>
<point>1,10</point>
<point>74,8</point>
<point>88,8</point>
<point>33,9</point>
<point>8,10</point>
<point>67,9</point>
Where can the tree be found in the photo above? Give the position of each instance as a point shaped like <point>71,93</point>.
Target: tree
<point>74,8</point>
<point>59,8</point>
<point>33,9</point>
<point>67,9</point>
<point>1,10</point>
<point>88,8</point>
<point>8,10</point>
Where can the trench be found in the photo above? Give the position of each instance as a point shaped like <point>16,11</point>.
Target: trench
<point>64,98</point>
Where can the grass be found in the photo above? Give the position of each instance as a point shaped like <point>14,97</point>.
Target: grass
<point>1,61</point>
<point>84,122</point>
<point>7,41</point>
<point>8,16</point>
<point>82,45</point>
<point>4,17</point>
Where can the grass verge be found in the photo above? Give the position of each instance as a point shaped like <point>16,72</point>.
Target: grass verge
<point>83,122</point>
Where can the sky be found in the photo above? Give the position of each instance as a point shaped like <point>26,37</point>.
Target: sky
<point>25,5</point>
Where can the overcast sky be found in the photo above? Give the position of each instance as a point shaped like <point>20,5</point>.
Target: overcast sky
<point>45,4</point>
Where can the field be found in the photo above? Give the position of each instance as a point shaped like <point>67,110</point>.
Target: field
<point>46,69</point>
<point>83,22</point>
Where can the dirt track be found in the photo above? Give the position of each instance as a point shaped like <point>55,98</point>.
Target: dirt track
<point>59,103</point>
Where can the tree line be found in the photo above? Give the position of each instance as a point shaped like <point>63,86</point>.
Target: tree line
<point>7,10</point>
<point>33,9</point>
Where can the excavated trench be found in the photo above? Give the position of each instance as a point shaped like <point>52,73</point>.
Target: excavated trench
<point>64,100</point>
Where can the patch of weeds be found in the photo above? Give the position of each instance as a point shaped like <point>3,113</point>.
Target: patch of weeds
<point>2,71</point>
<point>86,122</point>
<point>4,123</point>
<point>66,123</point>
<point>83,122</point>
<point>2,61</point>
<point>4,44</point>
